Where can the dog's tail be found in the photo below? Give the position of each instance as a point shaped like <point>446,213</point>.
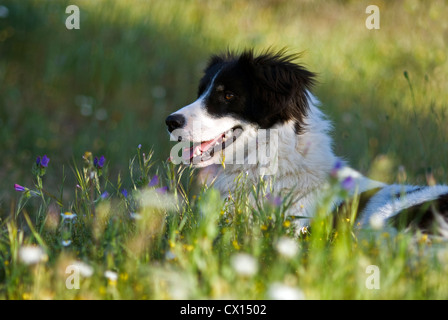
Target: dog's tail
<point>430,217</point>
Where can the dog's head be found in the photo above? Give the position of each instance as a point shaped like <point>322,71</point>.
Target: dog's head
<point>241,92</point>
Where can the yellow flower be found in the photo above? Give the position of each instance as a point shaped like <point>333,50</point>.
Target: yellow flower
<point>87,154</point>
<point>424,239</point>
<point>111,277</point>
<point>26,296</point>
<point>287,223</point>
<point>124,276</point>
<point>236,245</point>
<point>264,227</point>
<point>112,282</point>
<point>102,290</point>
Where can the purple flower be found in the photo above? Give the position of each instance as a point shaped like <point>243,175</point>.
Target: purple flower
<point>337,166</point>
<point>274,200</point>
<point>154,181</point>
<point>124,192</point>
<point>104,195</point>
<point>99,163</point>
<point>19,188</point>
<point>44,161</point>
<point>140,146</point>
<point>348,183</point>
<point>38,160</point>
<point>162,190</point>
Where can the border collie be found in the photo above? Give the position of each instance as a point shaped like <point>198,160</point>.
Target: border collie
<point>241,95</point>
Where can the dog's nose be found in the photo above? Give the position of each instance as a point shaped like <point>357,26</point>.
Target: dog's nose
<point>175,121</point>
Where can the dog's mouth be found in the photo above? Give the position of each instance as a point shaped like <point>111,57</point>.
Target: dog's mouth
<point>205,150</point>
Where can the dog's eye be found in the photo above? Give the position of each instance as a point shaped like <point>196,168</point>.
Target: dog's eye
<point>229,96</point>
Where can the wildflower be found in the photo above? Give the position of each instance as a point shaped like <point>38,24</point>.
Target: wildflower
<point>43,162</point>
<point>40,165</point>
<point>68,216</point>
<point>124,192</point>
<point>287,247</point>
<point>26,296</point>
<point>66,243</point>
<point>337,166</point>
<point>124,276</point>
<point>32,254</point>
<point>279,291</point>
<point>104,195</point>
<point>111,276</point>
<point>139,146</point>
<point>19,188</point>
<point>244,264</point>
<point>84,269</point>
<point>162,190</point>
<point>154,181</point>
<point>276,201</point>
<point>348,183</point>
<point>99,163</point>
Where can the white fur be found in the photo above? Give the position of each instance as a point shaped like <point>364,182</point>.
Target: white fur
<point>305,162</point>
<point>385,204</point>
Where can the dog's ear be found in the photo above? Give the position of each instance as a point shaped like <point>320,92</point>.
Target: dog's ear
<point>279,87</point>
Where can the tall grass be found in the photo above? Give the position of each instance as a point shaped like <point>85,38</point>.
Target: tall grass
<point>107,87</point>
<point>164,239</point>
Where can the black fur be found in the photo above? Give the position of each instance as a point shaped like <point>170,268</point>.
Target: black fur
<point>266,89</point>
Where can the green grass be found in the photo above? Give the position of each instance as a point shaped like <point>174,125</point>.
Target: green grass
<point>107,88</point>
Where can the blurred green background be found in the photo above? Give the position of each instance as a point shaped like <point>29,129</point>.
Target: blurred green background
<point>108,86</point>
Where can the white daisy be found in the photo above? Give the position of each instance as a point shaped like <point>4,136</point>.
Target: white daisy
<point>279,291</point>
<point>66,243</point>
<point>111,275</point>
<point>68,216</point>
<point>244,264</point>
<point>32,254</point>
<point>84,269</point>
<point>287,247</point>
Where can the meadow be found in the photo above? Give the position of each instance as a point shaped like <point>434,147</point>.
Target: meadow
<point>137,227</point>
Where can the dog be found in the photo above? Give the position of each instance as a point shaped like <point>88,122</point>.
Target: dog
<point>242,94</point>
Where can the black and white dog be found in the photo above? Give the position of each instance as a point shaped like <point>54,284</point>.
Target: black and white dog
<point>241,95</point>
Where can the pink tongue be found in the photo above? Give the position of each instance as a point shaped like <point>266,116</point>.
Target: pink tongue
<point>204,146</point>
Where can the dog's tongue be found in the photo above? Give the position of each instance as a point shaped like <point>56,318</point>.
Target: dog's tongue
<point>188,153</point>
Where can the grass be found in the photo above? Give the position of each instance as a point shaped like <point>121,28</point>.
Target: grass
<point>107,87</point>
